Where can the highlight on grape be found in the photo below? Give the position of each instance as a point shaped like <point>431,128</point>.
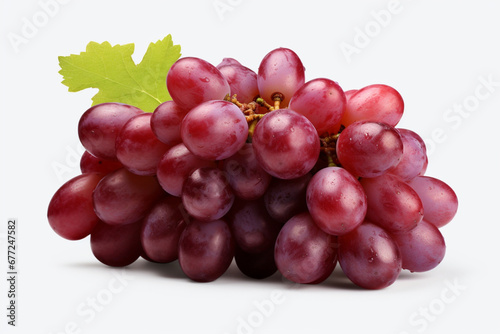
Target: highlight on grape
<point>261,167</point>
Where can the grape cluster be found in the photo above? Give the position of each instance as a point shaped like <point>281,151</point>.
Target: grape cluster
<point>265,168</point>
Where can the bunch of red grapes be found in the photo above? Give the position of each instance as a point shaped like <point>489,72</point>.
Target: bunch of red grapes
<point>265,168</point>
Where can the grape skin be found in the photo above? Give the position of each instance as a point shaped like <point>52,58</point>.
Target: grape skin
<point>206,250</point>
<point>99,126</point>
<point>303,252</point>
<point>124,198</point>
<point>116,245</point>
<point>422,248</point>
<point>414,158</point>
<point>280,71</point>
<point>206,194</point>
<point>369,149</point>
<point>253,229</point>
<point>439,200</point>
<point>161,230</point>
<point>286,198</point>
<point>175,167</point>
<point>241,79</point>
<point>228,62</point>
<point>92,164</point>
<point>137,147</point>
<point>369,257</point>
<point>192,81</point>
<point>336,201</point>
<point>322,102</point>
<point>166,122</point>
<point>71,213</point>
<point>256,265</point>
<point>214,130</point>
<point>375,103</point>
<point>245,175</point>
<point>286,144</point>
<point>392,204</point>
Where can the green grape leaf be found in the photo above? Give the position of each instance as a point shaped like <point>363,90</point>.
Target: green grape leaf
<point>112,70</point>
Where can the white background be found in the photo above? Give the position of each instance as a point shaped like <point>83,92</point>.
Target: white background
<point>437,54</point>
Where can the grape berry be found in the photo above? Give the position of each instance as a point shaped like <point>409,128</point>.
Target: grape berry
<point>266,169</point>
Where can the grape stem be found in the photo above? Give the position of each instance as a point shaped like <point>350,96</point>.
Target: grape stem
<point>328,147</point>
<point>277,104</point>
<point>277,98</point>
<point>249,110</point>
<point>253,117</point>
<point>264,104</point>
<point>251,128</point>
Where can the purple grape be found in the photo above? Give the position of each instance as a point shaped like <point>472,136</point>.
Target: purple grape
<point>414,157</point>
<point>92,164</point>
<point>241,79</point>
<point>214,130</point>
<point>336,201</point>
<point>253,229</point>
<point>369,149</point>
<point>439,200</point>
<point>286,144</point>
<point>280,71</point>
<point>286,198</point>
<point>123,198</point>
<point>137,147</point>
<point>175,167</point>
<point>116,245</point>
<point>228,62</point>
<point>323,102</point>
<point>256,265</point>
<point>245,175</point>
<point>99,126</point>
<point>206,250</point>
<point>392,204</point>
<point>369,257</point>
<point>206,194</point>
<point>422,248</point>
<point>161,230</point>
<point>375,103</point>
<point>303,252</point>
<point>166,122</point>
<point>71,213</point>
<point>192,81</point>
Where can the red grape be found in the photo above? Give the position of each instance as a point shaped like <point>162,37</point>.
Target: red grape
<point>206,250</point>
<point>123,198</point>
<point>71,213</point>
<point>191,81</point>
<point>286,144</point>
<point>369,257</point>
<point>369,149</point>
<point>336,200</point>
<point>303,252</point>
<point>99,126</point>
